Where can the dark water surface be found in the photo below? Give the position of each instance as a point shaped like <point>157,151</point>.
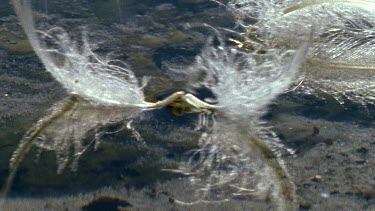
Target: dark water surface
<point>333,167</point>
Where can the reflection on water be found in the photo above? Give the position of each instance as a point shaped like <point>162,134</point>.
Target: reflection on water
<point>229,162</point>
<point>232,162</point>
<point>66,126</point>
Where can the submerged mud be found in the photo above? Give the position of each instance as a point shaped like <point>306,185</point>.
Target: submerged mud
<point>325,160</point>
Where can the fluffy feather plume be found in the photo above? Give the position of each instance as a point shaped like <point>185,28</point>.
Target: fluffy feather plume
<point>341,55</point>
<point>73,63</point>
<point>243,82</point>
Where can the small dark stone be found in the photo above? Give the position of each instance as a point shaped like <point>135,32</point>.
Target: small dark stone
<point>328,141</point>
<point>362,150</point>
<point>334,192</point>
<point>152,193</point>
<point>329,156</point>
<point>315,131</point>
<point>360,162</point>
<point>106,203</point>
<point>306,185</point>
<point>304,205</point>
<point>13,42</point>
<point>281,136</point>
<point>317,178</point>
